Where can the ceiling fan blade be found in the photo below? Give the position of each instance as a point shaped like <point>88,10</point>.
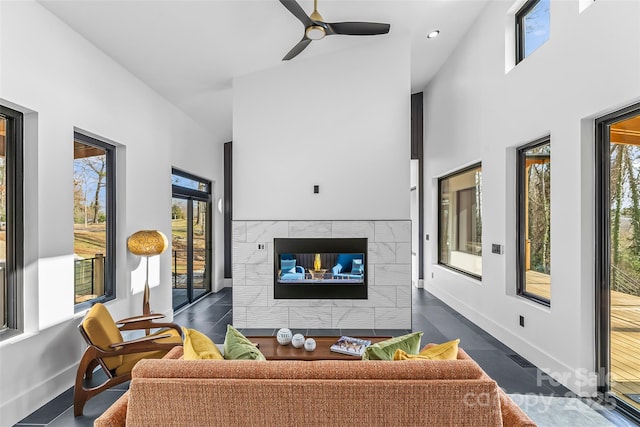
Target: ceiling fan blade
<point>302,44</point>
<point>357,28</point>
<point>297,11</point>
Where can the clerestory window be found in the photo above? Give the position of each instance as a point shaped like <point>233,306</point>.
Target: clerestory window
<point>532,27</point>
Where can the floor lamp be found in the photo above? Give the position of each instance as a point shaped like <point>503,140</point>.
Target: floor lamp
<point>147,243</point>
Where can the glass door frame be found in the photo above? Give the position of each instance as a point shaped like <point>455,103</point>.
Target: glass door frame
<point>192,196</point>
<point>603,257</point>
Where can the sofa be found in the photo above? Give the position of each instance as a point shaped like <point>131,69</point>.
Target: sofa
<point>176,392</point>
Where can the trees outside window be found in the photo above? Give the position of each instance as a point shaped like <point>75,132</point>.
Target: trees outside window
<point>460,221</point>
<point>617,267</point>
<point>533,23</point>
<point>534,220</point>
<point>625,212</point>
<point>93,228</point>
<point>191,235</point>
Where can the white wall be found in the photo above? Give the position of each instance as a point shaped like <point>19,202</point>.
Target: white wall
<point>64,83</point>
<point>341,121</point>
<point>477,111</point>
<point>200,157</point>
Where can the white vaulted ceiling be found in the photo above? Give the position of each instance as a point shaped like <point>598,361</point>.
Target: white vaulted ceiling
<point>189,51</point>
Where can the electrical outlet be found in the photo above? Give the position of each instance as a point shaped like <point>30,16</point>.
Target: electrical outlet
<point>496,249</point>
<point>432,275</point>
<point>261,246</point>
<point>522,321</point>
<point>316,189</point>
<point>427,237</point>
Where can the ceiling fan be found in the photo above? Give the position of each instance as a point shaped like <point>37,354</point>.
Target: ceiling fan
<point>315,27</point>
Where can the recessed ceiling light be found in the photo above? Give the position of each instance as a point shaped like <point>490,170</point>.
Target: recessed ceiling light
<point>433,34</point>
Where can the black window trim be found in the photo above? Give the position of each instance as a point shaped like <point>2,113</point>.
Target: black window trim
<point>191,195</point>
<point>110,261</point>
<point>524,10</point>
<point>602,281</point>
<point>199,194</point>
<point>440,179</point>
<point>520,215</point>
<point>14,153</point>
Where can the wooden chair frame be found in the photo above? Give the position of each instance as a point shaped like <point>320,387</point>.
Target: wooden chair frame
<point>93,356</point>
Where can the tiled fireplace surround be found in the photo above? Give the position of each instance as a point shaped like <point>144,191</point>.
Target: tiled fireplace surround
<point>389,267</point>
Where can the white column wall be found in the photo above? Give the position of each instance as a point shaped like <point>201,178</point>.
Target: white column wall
<point>340,121</point>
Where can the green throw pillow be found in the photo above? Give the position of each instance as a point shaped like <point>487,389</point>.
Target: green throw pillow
<point>384,350</point>
<point>238,347</point>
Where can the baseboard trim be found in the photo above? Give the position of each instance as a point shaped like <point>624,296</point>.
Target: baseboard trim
<point>579,380</point>
<point>21,406</point>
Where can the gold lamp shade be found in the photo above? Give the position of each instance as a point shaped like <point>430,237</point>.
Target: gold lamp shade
<point>147,243</point>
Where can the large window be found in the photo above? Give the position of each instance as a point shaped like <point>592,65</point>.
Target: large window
<point>11,220</point>
<point>617,265</point>
<point>532,27</point>
<point>534,220</point>
<point>460,221</point>
<point>93,218</point>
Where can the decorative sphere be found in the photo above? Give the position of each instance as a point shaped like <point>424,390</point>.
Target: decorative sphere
<point>284,336</point>
<point>310,344</point>
<point>297,341</point>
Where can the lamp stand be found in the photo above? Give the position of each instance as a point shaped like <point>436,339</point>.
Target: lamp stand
<point>146,310</point>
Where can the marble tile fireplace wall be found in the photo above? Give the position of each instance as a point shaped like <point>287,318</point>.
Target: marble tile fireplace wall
<point>388,305</point>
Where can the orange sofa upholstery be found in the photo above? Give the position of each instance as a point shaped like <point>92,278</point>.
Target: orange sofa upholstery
<point>176,392</point>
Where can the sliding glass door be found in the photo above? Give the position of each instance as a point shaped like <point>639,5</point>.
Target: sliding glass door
<point>618,287</point>
<point>190,238</point>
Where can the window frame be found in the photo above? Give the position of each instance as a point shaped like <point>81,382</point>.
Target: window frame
<point>14,155</point>
<point>440,179</point>
<point>520,35</point>
<point>602,279</point>
<point>110,209</point>
<point>521,289</point>
<point>191,195</point>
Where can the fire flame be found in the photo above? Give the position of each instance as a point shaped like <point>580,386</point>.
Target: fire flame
<point>317,264</point>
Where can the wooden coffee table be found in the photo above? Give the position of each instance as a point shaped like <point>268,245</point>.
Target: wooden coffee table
<point>273,351</point>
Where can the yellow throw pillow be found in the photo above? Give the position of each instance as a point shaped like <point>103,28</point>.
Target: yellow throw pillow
<point>198,346</point>
<point>444,351</point>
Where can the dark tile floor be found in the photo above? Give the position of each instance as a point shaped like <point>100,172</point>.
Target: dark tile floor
<point>437,320</point>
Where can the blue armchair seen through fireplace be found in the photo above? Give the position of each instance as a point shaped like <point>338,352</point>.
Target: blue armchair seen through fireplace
<point>349,266</point>
<point>290,271</point>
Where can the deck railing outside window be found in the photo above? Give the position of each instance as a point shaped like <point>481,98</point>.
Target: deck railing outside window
<point>179,268</point>
<point>89,277</point>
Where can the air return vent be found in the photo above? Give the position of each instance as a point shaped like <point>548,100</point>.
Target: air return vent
<point>521,361</point>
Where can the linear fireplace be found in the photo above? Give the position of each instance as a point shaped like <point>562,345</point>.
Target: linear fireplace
<point>318,268</point>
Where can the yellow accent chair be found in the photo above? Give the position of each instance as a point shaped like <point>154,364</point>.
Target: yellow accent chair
<point>116,357</point>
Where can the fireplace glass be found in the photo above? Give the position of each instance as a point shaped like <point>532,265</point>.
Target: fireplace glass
<point>320,268</point>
